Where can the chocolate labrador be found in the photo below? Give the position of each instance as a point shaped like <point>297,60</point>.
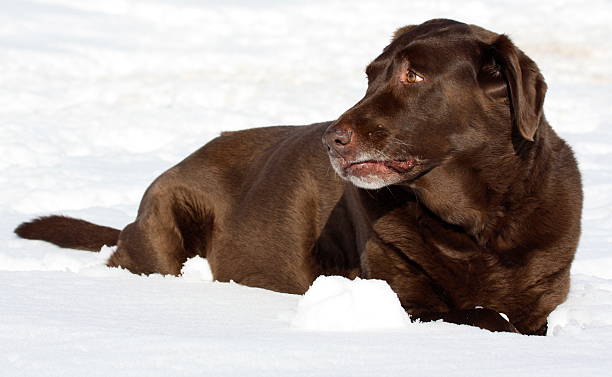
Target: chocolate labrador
<point>455,190</point>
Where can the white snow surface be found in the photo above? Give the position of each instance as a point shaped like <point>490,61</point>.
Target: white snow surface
<point>335,303</point>
<point>97,98</point>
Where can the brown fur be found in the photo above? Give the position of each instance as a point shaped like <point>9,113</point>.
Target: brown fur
<point>69,233</point>
<point>474,200</point>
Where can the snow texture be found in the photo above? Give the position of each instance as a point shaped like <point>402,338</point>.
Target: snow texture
<point>97,98</point>
<point>335,303</point>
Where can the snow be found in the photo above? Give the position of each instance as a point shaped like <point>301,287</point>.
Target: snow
<point>98,98</point>
<point>196,269</point>
<point>335,303</point>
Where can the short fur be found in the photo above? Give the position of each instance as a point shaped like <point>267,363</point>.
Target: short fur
<point>474,201</point>
<point>68,232</point>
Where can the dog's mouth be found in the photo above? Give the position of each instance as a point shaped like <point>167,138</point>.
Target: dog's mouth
<point>374,173</point>
<point>376,167</point>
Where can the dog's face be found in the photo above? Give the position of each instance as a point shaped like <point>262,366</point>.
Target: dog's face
<point>441,91</point>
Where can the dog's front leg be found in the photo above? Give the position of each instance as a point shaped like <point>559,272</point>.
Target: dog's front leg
<point>487,319</point>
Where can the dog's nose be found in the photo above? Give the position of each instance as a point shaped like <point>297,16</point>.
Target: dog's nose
<point>342,136</point>
<point>339,138</point>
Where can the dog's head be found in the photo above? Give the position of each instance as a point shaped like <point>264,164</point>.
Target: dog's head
<point>440,91</point>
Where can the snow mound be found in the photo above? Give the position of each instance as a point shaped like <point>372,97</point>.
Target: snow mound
<point>196,269</point>
<point>335,303</point>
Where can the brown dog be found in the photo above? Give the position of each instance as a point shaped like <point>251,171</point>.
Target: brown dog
<point>461,195</point>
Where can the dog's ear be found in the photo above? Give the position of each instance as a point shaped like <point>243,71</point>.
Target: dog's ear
<point>513,74</point>
<point>490,76</point>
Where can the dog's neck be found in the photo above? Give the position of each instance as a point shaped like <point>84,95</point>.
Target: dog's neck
<point>486,199</point>
<point>458,196</point>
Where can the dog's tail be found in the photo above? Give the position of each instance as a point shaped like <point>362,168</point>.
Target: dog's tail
<point>69,233</point>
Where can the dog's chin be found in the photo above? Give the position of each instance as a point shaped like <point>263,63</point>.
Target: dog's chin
<point>372,175</point>
<point>370,182</point>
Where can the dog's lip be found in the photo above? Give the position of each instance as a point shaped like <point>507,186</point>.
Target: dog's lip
<point>400,165</point>
<point>405,169</point>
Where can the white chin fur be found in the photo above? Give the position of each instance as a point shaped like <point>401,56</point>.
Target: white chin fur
<point>371,183</point>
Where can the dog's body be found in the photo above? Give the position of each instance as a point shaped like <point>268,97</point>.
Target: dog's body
<point>461,194</point>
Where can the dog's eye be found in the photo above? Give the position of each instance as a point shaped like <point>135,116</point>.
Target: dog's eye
<point>411,77</point>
